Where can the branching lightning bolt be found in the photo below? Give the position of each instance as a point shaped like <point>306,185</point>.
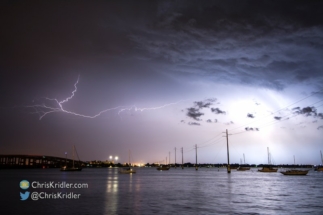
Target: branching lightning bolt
<point>43,109</point>
<point>143,109</point>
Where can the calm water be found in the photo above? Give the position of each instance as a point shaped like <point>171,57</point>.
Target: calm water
<point>177,191</point>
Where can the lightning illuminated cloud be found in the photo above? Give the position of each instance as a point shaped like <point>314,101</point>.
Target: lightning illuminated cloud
<point>44,109</point>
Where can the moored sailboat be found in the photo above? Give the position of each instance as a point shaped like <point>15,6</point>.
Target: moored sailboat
<point>127,170</point>
<point>268,168</point>
<point>319,168</point>
<point>243,168</point>
<point>163,167</point>
<point>294,172</point>
<point>72,168</point>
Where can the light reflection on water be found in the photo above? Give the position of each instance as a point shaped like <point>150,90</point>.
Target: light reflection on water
<point>111,199</point>
<point>177,191</point>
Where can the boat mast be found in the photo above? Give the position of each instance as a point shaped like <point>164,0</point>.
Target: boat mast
<point>244,159</point>
<point>228,167</point>
<point>175,157</point>
<point>169,159</point>
<point>196,157</point>
<point>182,159</point>
<point>268,155</point>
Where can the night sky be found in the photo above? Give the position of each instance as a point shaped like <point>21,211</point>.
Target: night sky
<point>149,76</point>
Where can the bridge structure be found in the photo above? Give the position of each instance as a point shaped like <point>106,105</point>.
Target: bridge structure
<point>36,161</point>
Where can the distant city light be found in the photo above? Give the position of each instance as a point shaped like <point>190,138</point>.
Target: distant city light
<point>116,158</point>
<point>110,157</point>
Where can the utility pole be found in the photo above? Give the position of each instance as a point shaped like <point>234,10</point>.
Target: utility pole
<point>321,157</point>
<point>244,159</point>
<point>268,155</point>
<point>196,168</point>
<point>169,160</point>
<point>166,160</point>
<point>294,159</point>
<point>175,157</point>
<point>227,136</point>
<point>182,159</point>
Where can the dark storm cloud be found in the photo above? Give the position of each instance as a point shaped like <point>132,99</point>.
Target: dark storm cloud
<point>251,129</point>
<point>308,111</point>
<point>277,117</point>
<point>250,115</point>
<point>194,123</point>
<point>270,44</point>
<point>217,111</point>
<point>194,113</point>
<point>202,104</point>
<point>320,127</point>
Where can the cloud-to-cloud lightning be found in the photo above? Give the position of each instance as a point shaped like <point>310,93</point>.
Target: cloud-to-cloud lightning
<point>44,109</point>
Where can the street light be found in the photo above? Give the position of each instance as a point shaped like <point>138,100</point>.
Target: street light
<point>116,158</point>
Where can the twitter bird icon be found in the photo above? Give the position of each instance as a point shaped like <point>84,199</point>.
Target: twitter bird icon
<point>24,196</point>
